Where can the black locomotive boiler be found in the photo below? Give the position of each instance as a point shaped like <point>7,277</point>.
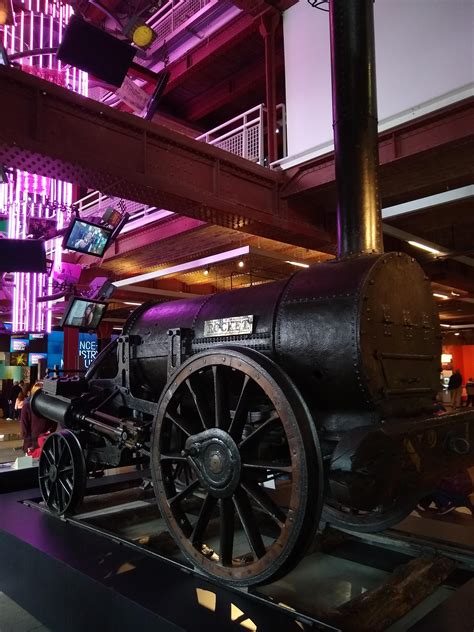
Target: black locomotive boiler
<point>262,409</point>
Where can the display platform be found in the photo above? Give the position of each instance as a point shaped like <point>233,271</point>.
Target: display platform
<point>113,567</point>
<point>70,578</point>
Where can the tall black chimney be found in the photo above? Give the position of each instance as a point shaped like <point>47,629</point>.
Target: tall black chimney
<point>354,104</point>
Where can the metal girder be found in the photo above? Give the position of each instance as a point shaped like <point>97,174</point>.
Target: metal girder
<point>416,158</point>
<point>53,132</point>
<point>204,53</point>
<point>234,87</point>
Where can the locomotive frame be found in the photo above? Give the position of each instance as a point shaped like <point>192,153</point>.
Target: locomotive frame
<point>315,402</point>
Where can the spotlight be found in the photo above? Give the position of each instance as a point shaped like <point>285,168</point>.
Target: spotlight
<point>140,33</point>
<point>206,271</point>
<point>241,263</point>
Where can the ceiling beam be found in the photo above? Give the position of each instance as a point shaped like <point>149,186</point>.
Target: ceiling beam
<point>217,44</point>
<point>232,88</point>
<point>56,133</point>
<point>418,158</point>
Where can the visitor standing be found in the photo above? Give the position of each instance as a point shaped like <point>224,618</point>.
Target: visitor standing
<point>455,386</point>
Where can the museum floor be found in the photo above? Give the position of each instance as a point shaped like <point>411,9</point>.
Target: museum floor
<point>15,619</point>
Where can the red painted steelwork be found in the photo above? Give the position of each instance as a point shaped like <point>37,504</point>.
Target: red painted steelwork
<point>56,133</point>
<point>439,131</point>
<point>219,43</point>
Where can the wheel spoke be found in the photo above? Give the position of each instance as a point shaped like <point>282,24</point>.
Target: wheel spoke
<point>205,514</point>
<point>236,428</point>
<point>66,489</point>
<point>272,467</point>
<point>256,492</point>
<point>173,457</point>
<point>181,422</point>
<point>262,428</point>
<point>201,404</point>
<point>47,456</point>
<point>221,402</point>
<point>66,468</point>
<point>249,522</point>
<point>184,493</point>
<point>227,531</point>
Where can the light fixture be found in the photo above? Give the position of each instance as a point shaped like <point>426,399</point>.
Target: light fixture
<point>446,358</point>
<point>140,33</point>
<point>129,303</point>
<point>206,271</point>
<point>443,296</point>
<point>457,333</point>
<point>241,263</point>
<point>417,244</point>
<point>455,293</point>
<point>443,325</point>
<point>298,264</point>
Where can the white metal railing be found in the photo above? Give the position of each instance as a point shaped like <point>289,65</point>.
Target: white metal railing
<point>173,15</point>
<point>244,135</point>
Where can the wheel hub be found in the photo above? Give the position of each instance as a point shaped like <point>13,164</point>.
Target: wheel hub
<point>53,473</point>
<point>215,457</point>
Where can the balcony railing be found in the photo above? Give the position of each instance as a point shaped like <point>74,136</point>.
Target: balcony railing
<point>244,135</point>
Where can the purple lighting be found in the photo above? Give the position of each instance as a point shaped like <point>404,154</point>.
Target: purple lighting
<point>39,24</point>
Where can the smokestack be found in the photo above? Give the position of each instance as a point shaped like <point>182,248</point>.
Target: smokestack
<point>354,105</point>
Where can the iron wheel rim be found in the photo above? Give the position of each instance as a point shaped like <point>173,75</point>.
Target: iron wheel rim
<point>62,472</point>
<point>294,523</point>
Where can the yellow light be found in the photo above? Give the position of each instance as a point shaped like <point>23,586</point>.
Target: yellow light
<point>446,358</point>
<point>3,16</point>
<point>440,295</point>
<point>241,263</point>
<point>298,264</point>
<point>417,244</point>
<point>143,36</point>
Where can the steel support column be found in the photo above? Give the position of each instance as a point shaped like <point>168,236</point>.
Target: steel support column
<point>268,26</point>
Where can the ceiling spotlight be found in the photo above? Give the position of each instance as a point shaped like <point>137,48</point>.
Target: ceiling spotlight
<point>130,303</point>
<point>417,244</point>
<point>241,263</point>
<point>140,33</point>
<point>440,296</point>
<point>457,333</point>
<point>455,293</point>
<point>298,264</point>
<point>206,271</point>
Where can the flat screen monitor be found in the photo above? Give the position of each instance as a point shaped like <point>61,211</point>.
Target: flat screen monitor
<point>83,313</point>
<point>38,343</point>
<point>19,358</point>
<point>87,238</point>
<point>19,344</point>
<point>22,255</point>
<point>93,50</point>
<point>4,61</point>
<point>34,358</point>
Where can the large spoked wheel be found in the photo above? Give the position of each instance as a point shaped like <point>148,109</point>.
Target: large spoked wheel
<point>379,519</point>
<point>62,472</point>
<point>251,502</point>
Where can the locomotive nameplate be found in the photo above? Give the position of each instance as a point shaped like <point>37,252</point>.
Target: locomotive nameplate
<point>232,326</point>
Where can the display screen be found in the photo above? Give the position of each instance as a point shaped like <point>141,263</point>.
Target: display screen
<point>34,357</point>
<point>38,343</point>
<point>87,238</point>
<point>19,344</point>
<point>19,358</point>
<point>42,228</point>
<point>4,61</point>
<point>83,314</point>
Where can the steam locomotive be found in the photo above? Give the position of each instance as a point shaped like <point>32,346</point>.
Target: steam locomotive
<point>264,411</point>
